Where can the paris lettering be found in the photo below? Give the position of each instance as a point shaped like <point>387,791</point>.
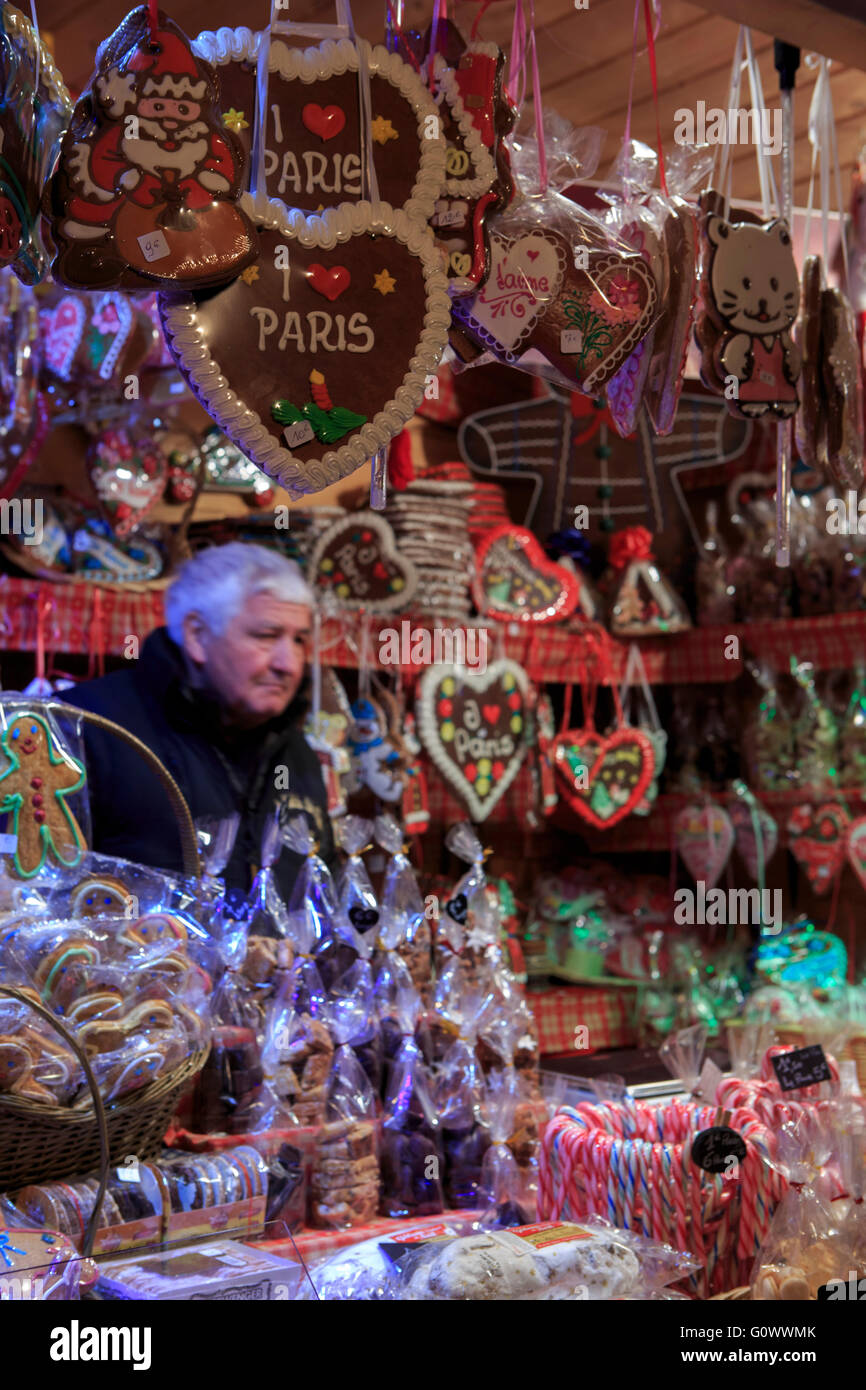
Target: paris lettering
<point>314,331</point>
<point>469,746</point>
<point>315,172</point>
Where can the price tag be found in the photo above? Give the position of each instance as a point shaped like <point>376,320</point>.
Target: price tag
<point>714,1148</point>
<point>708,1082</point>
<point>804,1066</point>
<point>154,246</point>
<point>452,217</point>
<point>301,432</point>
<point>571,340</point>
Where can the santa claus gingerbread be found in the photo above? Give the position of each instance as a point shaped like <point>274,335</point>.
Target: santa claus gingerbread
<point>145,191</point>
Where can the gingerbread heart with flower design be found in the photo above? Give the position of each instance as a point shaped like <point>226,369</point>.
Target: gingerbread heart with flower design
<point>585,308</point>
<point>817,838</point>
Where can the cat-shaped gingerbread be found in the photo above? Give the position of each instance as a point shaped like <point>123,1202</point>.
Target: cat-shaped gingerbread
<point>752,290</point>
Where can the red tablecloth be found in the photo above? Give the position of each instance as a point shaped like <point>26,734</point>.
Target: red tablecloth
<point>606,1012</point>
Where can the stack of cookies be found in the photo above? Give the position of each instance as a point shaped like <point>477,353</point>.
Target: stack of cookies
<point>488,509</point>
<point>430,519</point>
<point>345,1183</point>
<point>300,1077</point>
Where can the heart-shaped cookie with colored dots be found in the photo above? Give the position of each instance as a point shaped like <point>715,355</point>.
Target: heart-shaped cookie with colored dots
<point>313,135</point>
<point>357,561</point>
<point>318,354</point>
<point>817,837</point>
<point>515,580</point>
<point>583,307</point>
<point>474,727</point>
<point>603,777</point>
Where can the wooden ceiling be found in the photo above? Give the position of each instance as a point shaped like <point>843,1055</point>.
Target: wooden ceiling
<point>584,58</point>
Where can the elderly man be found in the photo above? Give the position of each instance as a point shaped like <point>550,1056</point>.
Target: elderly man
<point>217,695</point>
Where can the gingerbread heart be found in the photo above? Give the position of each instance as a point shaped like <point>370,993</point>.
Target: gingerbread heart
<point>357,561</point>
<point>704,837</point>
<point>583,309</point>
<point>313,137</point>
<point>62,332</point>
<point>603,777</point>
<point>817,838</point>
<point>315,357</point>
<point>146,186</point>
<point>747,842</point>
<point>129,475</point>
<point>515,579</point>
<point>480,755</point>
<point>855,847</point>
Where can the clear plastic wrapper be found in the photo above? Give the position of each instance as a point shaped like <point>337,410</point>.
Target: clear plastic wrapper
<point>325,941</point>
<point>297,1056</point>
<point>458,1089</point>
<point>502,1182</point>
<point>216,841</point>
<point>344,1190</point>
<point>43,790</point>
<point>403,924</point>
<point>412,1162</point>
<point>37,1262</point>
<point>266,913</point>
<point>357,899</point>
<point>803,1249</point>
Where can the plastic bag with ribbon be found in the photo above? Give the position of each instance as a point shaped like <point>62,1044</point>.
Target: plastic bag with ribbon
<point>403,923</point>
<point>458,1089</point>
<point>357,899</point>
<point>502,1182</point>
<point>351,1013</point>
<point>266,913</point>
<point>411,1155</point>
<point>296,1060</point>
<point>345,1180</point>
<point>803,1250</point>
<point>216,840</point>
<point>324,941</point>
<point>467,919</point>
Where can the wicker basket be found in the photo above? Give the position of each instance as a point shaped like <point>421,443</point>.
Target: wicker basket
<point>40,1142</point>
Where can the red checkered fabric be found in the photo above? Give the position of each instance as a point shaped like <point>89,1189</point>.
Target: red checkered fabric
<point>606,1012</point>
<point>75,617</point>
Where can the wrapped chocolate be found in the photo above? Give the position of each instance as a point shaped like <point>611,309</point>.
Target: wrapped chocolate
<point>351,1014</point>
<point>325,942</point>
<point>411,1156</point>
<point>357,899</point>
<point>458,1093</point>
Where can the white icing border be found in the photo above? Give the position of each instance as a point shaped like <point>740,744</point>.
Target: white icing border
<point>428,728</point>
<point>389,548</point>
<point>300,477</point>
<point>333,58</point>
<point>123,305</point>
<point>482,159</point>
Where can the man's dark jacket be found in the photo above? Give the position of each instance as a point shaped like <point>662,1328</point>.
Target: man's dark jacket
<point>218,771</point>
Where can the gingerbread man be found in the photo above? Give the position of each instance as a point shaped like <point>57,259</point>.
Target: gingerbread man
<point>40,778</point>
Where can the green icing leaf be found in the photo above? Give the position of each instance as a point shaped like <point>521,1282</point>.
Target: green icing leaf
<point>331,425</point>
<point>285,413</point>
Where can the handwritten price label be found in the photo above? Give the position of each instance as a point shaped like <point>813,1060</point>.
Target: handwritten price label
<point>154,246</point>
<point>571,340</point>
<point>451,217</point>
<point>299,433</point>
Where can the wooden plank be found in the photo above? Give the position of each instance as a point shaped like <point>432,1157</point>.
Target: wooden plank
<point>806,23</point>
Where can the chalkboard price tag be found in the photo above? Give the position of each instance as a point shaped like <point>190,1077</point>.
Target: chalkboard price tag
<point>805,1066</point>
<point>714,1148</point>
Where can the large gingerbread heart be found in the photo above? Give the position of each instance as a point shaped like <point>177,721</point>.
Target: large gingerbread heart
<point>817,838</point>
<point>315,357</point>
<point>474,728</point>
<point>585,318</point>
<point>357,561</point>
<point>603,777</point>
<point>515,580</point>
<point>313,138</point>
<point>705,838</point>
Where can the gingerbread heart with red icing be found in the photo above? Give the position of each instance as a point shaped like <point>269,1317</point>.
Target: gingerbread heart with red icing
<point>357,561</point>
<point>817,838</point>
<point>603,778</point>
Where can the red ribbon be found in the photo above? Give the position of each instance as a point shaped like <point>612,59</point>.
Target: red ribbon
<point>152,19</point>
<point>651,45</point>
<point>632,543</point>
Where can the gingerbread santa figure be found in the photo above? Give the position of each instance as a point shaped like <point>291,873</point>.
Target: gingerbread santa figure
<point>146,188</point>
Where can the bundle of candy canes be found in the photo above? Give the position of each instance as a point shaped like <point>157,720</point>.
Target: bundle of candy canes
<point>631,1162</point>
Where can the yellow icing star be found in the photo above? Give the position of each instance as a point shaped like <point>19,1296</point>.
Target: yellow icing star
<point>235,120</point>
<point>384,283</point>
<point>382,130</point>
<point>250,274</point>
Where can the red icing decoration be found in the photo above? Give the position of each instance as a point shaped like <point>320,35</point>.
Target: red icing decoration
<point>331,283</point>
<point>634,543</point>
<point>578,797</point>
<point>492,712</point>
<point>324,121</point>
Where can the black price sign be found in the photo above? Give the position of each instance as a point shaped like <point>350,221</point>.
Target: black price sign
<point>805,1066</point>
<point>714,1148</point>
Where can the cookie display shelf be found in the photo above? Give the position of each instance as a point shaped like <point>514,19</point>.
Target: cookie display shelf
<point>551,655</point>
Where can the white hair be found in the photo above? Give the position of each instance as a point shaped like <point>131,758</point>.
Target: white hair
<point>217,582</point>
